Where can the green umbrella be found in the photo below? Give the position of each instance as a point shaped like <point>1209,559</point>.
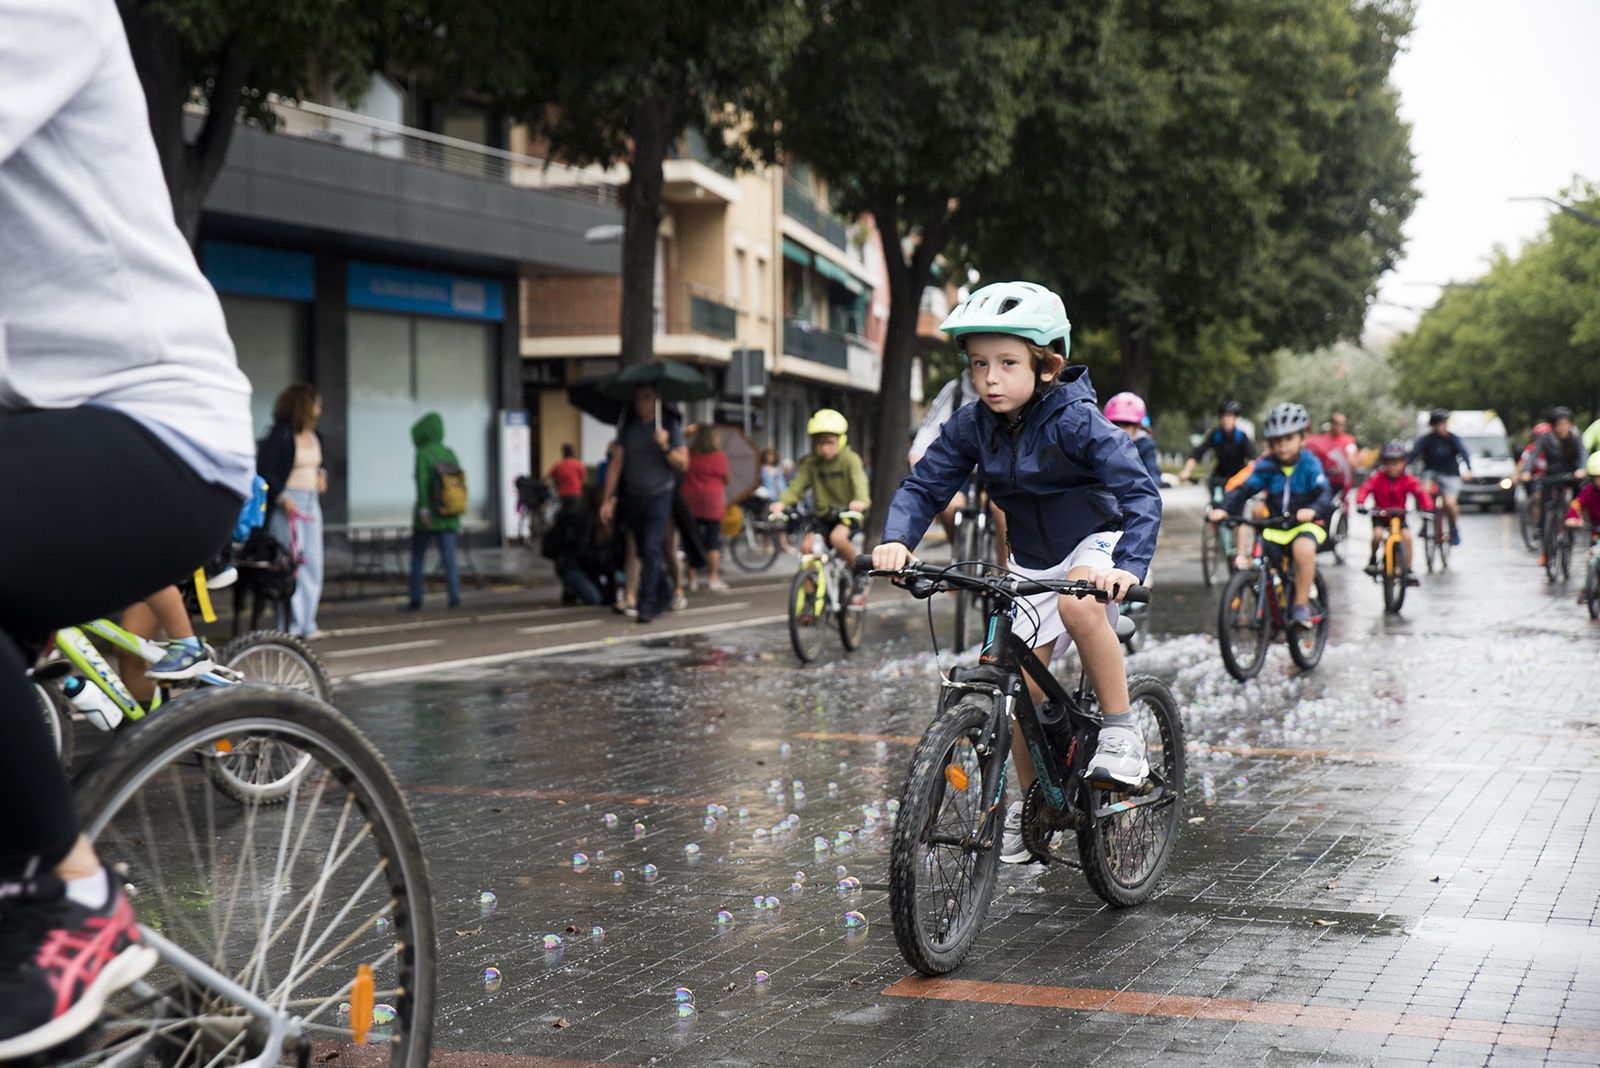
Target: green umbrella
<point>675,382</point>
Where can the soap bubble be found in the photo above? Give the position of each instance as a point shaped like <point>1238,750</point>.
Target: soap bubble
<point>724,917</point>
<point>609,819</point>
<point>841,871</point>
<point>843,838</point>
<point>491,979</point>
<point>649,871</point>
<point>843,767</point>
<point>796,888</point>
<point>797,786</point>
<point>1241,782</point>
<point>799,876</point>
<point>686,1011</point>
<point>344,1008</point>
<point>854,920</point>
<point>893,806</point>
<point>793,819</point>
<point>871,812</point>
<point>771,903</point>
<point>552,942</point>
<point>744,814</point>
<point>762,977</point>
<point>759,833</point>
<point>617,876</point>
<point>759,901</point>
<point>849,884</point>
<point>683,996</point>
<point>819,844</point>
<point>486,899</point>
<point>833,789</point>
<point>599,855</point>
<point>597,934</point>
<point>382,924</point>
<point>638,830</point>
<point>692,849</point>
<point>383,1015</point>
<point>785,749</point>
<point>580,861</point>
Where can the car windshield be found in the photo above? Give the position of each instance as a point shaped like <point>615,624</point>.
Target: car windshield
<point>1486,448</point>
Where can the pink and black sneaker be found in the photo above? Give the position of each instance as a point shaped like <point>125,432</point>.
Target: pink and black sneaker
<point>60,962</point>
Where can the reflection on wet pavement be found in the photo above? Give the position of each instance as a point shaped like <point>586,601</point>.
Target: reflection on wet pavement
<point>1403,834</point>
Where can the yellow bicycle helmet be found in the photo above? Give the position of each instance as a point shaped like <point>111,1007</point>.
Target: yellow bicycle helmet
<point>828,421</point>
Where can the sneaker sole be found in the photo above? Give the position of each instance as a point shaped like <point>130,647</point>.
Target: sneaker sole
<point>1111,782</point>
<point>127,968</point>
<point>193,671</point>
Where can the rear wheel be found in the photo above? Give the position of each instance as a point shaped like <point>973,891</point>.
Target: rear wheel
<point>1591,589</point>
<point>1446,531</point>
<point>964,548</point>
<point>286,900</point>
<point>941,874</point>
<point>1306,644</point>
<point>754,548</point>
<point>57,712</point>
<point>1430,540</point>
<point>1338,528</point>
<point>1244,627</point>
<point>1526,522</point>
<point>807,612</point>
<point>1551,540</point>
<point>1565,551</point>
<point>261,768</point>
<point>1125,840</point>
<point>852,619</point>
<point>1213,563</point>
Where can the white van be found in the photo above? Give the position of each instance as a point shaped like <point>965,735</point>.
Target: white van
<point>1493,465</point>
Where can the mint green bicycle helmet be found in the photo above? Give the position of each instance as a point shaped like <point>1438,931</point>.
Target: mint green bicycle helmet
<point>1021,308</point>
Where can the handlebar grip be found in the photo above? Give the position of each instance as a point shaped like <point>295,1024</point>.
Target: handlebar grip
<point>863,564</point>
<point>1137,595</point>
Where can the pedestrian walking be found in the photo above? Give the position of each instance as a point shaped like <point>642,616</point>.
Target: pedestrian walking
<point>642,478</point>
<point>568,474</point>
<point>289,457</point>
<point>705,490</point>
<point>441,501</point>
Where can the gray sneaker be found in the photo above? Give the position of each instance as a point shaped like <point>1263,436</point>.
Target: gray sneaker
<point>1119,759</point>
<point>1300,617</point>
<point>1012,851</point>
<point>183,661</point>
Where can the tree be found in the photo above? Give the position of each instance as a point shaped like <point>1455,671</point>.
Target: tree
<point>908,109</point>
<point>1347,378</point>
<point>232,59</point>
<point>620,83</point>
<point>1523,337</point>
<point>1208,195</point>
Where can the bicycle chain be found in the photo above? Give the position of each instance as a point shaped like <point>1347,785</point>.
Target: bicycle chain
<point>1040,823</point>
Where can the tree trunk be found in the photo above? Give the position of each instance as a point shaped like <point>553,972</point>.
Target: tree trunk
<point>907,280</point>
<point>1134,345</point>
<point>190,169</point>
<point>641,205</point>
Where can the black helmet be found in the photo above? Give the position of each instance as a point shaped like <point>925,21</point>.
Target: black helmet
<point>1230,407</point>
<point>1394,450</point>
<point>1285,419</point>
<point>1439,415</point>
<point>1559,412</point>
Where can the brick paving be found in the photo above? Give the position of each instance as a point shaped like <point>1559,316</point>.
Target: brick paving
<point>1387,861</point>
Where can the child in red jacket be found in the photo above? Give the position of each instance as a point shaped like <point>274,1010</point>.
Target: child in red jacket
<point>1389,486</point>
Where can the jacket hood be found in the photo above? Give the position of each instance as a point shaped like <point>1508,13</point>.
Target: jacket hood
<point>429,430</point>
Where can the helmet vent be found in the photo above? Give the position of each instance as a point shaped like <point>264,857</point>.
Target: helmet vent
<point>1007,304</point>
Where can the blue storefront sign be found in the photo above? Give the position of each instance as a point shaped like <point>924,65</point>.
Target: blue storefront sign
<point>400,289</point>
<point>253,271</point>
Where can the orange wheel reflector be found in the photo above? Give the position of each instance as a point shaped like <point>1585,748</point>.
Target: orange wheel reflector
<point>361,999</point>
<point>955,776</point>
<point>223,746</point>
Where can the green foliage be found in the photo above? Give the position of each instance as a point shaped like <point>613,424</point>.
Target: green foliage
<point>1347,378</point>
<point>1522,338</point>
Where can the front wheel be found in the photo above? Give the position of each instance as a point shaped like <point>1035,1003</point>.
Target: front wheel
<point>1527,523</point>
<point>1394,577</point>
<point>852,617</point>
<point>1430,542</point>
<point>1126,840</point>
<point>1338,528</point>
<point>262,769</point>
<point>1306,644</point>
<point>946,846</point>
<point>57,711</point>
<point>808,612</point>
<point>288,901</point>
<point>1244,627</point>
<point>1213,565</point>
<point>1591,589</point>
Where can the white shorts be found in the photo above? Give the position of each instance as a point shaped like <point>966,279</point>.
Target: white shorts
<point>1093,551</point>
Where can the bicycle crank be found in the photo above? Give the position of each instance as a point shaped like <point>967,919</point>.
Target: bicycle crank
<point>1044,830</point>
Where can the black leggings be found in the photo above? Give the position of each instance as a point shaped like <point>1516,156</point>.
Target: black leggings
<point>95,514</point>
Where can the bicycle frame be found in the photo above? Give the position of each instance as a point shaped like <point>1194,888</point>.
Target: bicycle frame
<point>74,645</point>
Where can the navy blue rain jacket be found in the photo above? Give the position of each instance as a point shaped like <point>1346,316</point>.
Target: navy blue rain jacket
<point>1302,484</point>
<point>1067,473</point>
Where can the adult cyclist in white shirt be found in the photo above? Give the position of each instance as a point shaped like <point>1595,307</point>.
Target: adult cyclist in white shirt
<point>125,455</point>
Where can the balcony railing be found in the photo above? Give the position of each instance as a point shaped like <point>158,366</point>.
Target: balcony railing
<point>798,205</point>
<point>693,146</point>
<point>591,306</point>
<point>808,341</point>
<point>380,137</point>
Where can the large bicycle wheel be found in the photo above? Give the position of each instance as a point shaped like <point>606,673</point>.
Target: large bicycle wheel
<point>1338,528</point>
<point>261,768</point>
<point>852,618</point>
<point>1306,644</point>
<point>1526,522</point>
<point>808,612</point>
<point>1564,550</point>
<point>1213,564</point>
<point>964,548</point>
<point>286,901</point>
<point>1430,541</point>
<point>944,856</point>
<point>1591,589</point>
<point>1126,840</point>
<point>1551,540</point>
<point>1244,628</point>
<point>1446,530</point>
<point>1394,577</point>
<point>57,712</point>
<point>753,548</point>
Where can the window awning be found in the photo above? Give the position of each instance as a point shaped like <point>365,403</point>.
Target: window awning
<point>796,252</point>
<point>828,269</point>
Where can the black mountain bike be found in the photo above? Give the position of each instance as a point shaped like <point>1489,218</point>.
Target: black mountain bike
<point>1254,610</point>
<point>946,847</point>
<point>1556,539</point>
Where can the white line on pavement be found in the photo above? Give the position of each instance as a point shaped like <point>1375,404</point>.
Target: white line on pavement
<point>421,643</point>
<point>546,627</point>
<point>570,647</point>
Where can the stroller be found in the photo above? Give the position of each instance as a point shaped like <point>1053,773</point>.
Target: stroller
<point>536,508</point>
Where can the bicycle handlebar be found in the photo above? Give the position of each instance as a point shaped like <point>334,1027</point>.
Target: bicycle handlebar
<point>1274,522</point>
<point>1004,585</point>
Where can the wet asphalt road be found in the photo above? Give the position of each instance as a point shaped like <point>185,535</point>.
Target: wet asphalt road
<point>1388,860</point>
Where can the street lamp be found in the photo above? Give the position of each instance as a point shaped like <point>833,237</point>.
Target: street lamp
<point>1582,216</point>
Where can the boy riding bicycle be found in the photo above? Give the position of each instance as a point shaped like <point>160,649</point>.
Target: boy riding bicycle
<point>1389,487</point>
<point>834,474</point>
<point>1079,503</point>
<point>1295,485</point>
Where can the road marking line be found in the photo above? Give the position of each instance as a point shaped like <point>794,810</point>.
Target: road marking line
<point>834,736</point>
<point>421,643</point>
<point>546,627</point>
<point>642,635</point>
<point>560,795</point>
<point>1326,1017</point>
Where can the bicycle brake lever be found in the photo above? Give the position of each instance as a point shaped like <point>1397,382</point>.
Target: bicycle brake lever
<point>922,588</point>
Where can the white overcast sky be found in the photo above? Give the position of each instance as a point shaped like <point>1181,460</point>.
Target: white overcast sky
<point>1503,98</point>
